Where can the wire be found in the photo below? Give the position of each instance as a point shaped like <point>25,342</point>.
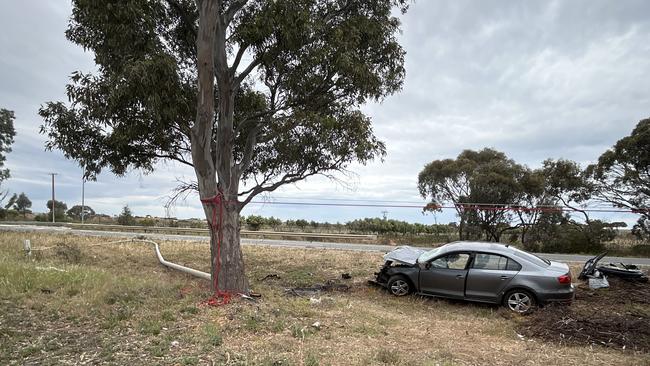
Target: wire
<point>462,206</point>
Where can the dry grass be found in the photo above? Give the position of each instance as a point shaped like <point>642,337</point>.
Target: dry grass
<point>114,304</point>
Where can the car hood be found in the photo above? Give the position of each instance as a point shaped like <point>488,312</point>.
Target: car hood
<point>404,254</point>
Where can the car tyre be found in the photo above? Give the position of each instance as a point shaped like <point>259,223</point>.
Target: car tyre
<point>520,301</point>
<point>399,286</point>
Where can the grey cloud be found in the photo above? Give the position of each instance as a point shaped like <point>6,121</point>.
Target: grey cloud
<point>535,79</point>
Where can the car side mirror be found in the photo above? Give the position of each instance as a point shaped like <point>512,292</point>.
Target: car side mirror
<point>427,265</point>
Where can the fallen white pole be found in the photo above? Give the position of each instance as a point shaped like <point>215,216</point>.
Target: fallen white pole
<point>178,267</point>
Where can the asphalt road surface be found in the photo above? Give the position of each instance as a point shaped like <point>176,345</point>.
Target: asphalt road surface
<point>287,243</point>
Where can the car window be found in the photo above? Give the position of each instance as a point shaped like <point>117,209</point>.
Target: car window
<point>513,266</point>
<point>451,261</point>
<point>531,257</point>
<point>426,256</point>
<point>490,261</point>
<point>495,262</point>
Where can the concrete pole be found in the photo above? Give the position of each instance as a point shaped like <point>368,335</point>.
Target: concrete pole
<point>83,207</point>
<point>53,201</point>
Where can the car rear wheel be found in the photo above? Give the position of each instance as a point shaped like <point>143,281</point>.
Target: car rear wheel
<point>399,286</point>
<point>519,301</point>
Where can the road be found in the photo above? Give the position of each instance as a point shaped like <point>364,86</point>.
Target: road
<point>287,243</point>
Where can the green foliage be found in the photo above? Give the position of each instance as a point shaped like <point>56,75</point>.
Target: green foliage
<point>556,233</point>
<point>23,203</point>
<point>255,222</point>
<point>212,335</point>
<point>75,212</point>
<point>126,217</point>
<point>147,221</point>
<point>60,208</point>
<point>316,63</point>
<point>387,226</point>
<point>7,134</point>
<point>302,224</point>
<point>474,183</point>
<point>622,175</point>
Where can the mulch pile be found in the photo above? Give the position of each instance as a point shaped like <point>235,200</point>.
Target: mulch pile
<point>617,317</point>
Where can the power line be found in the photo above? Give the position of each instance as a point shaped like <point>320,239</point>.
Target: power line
<point>463,206</point>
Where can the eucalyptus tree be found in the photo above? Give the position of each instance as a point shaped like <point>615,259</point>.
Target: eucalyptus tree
<point>7,134</point>
<point>622,175</point>
<point>252,94</point>
<point>483,186</point>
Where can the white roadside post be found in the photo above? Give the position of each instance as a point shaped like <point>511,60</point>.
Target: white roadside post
<point>28,247</point>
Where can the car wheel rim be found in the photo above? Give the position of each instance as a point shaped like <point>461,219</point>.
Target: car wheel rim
<point>399,288</point>
<point>519,302</point>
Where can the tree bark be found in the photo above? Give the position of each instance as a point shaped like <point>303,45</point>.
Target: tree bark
<point>227,264</point>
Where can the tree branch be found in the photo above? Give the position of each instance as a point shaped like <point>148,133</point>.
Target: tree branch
<point>256,62</point>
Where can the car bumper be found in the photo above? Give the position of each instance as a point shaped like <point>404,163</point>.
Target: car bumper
<point>564,296</point>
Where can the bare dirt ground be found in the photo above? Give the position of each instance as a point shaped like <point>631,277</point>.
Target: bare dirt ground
<point>87,301</point>
<point>617,317</point>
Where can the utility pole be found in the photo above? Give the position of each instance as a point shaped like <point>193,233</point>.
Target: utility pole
<point>83,207</point>
<point>53,202</point>
<point>385,214</point>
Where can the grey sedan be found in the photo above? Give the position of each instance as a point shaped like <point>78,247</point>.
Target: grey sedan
<point>476,271</point>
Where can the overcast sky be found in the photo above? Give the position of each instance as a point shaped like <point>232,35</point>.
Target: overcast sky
<point>535,79</point>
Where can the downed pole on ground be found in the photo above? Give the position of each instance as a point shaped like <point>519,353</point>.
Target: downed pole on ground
<point>161,259</point>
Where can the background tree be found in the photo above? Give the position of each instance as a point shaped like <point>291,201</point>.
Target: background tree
<point>23,204</point>
<point>12,201</point>
<point>126,217</point>
<point>7,134</point>
<point>622,176</point>
<point>60,208</point>
<point>173,84</point>
<point>75,212</point>
<point>255,222</point>
<point>481,185</point>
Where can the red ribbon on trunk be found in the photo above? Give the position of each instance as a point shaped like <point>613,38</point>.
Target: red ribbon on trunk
<point>217,202</point>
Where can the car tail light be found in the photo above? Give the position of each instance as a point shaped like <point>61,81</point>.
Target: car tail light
<point>565,279</point>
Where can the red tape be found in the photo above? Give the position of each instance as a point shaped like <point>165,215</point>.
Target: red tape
<point>219,297</point>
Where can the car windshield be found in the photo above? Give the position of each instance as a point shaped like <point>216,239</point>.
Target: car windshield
<point>426,256</point>
<point>531,257</point>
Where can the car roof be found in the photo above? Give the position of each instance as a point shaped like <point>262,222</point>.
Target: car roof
<point>491,247</point>
<point>476,246</point>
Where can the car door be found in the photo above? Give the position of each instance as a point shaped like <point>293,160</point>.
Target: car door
<point>445,275</point>
<point>488,275</point>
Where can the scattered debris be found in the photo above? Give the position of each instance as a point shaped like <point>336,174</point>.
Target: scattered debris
<point>50,268</point>
<point>316,289</point>
<point>629,272</point>
<point>316,325</point>
<point>625,271</point>
<point>314,301</point>
<point>613,317</point>
<point>598,281</point>
<point>346,276</point>
<point>175,343</point>
<point>270,276</point>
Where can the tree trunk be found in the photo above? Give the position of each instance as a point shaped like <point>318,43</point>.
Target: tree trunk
<point>212,162</point>
<point>231,276</point>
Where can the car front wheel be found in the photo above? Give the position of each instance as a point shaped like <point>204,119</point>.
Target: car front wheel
<point>519,301</point>
<point>399,286</point>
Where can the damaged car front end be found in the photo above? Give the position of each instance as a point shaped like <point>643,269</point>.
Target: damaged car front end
<point>402,261</point>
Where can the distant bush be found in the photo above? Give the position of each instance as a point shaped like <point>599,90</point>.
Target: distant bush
<point>255,222</point>
<point>147,221</point>
<point>126,217</point>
